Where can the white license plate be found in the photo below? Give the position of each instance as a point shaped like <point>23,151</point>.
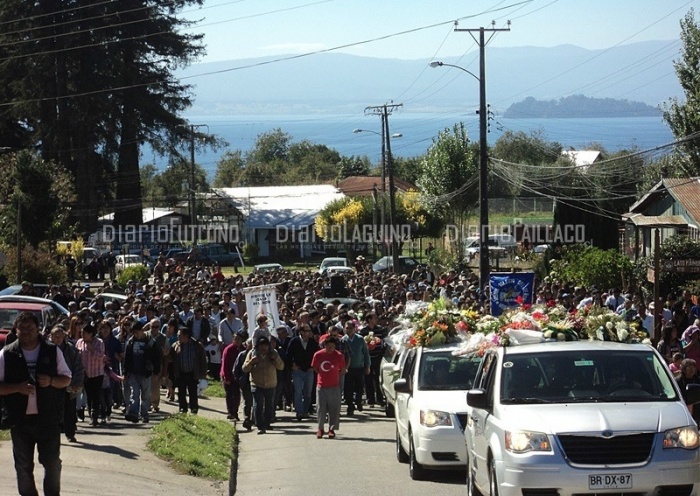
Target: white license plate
<point>610,481</point>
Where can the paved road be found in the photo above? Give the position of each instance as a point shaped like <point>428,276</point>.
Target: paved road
<point>361,460</point>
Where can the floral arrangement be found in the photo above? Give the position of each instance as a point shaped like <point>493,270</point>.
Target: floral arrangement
<point>439,322</point>
<point>373,341</point>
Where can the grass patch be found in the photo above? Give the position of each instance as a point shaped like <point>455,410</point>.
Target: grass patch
<point>195,445</point>
<point>215,389</point>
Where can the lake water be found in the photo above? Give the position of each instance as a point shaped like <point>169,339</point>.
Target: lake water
<point>418,131</point>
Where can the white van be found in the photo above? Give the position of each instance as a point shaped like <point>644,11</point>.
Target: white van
<point>502,242</point>
<point>580,417</point>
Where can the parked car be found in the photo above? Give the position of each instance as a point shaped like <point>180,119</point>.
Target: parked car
<point>48,312</point>
<point>339,271</point>
<point>500,245</point>
<point>269,267</point>
<point>124,261</point>
<point>431,408</point>
<point>583,417</point>
<point>38,290</point>
<point>406,264</point>
<point>328,262</point>
<point>211,254</point>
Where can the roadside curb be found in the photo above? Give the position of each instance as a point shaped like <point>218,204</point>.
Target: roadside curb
<point>233,474</point>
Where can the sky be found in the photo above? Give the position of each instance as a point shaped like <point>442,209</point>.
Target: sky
<point>414,29</point>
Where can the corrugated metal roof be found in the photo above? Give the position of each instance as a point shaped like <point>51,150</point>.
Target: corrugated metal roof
<point>364,185</point>
<point>147,214</point>
<point>290,206</point>
<point>686,191</point>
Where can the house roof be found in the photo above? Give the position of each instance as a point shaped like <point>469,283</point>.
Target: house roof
<point>640,220</point>
<point>582,157</point>
<point>267,207</point>
<point>364,185</point>
<point>685,191</point>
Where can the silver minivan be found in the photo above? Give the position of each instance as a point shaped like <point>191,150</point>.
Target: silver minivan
<point>586,417</point>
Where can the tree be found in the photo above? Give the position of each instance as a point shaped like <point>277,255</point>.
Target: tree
<point>229,170</point>
<point>407,169</point>
<point>447,179</point>
<point>353,166</point>
<point>91,82</point>
<point>45,194</point>
<point>683,117</point>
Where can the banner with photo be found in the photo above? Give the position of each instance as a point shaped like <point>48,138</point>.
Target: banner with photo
<point>511,290</point>
<point>262,299</point>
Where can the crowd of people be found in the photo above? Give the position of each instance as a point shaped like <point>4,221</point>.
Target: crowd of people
<point>169,333</point>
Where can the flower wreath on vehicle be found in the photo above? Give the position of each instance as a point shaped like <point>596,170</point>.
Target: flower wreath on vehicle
<point>537,324</point>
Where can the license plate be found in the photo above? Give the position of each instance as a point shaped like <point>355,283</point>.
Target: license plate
<point>610,481</point>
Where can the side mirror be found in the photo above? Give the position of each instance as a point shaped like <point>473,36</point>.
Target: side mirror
<point>692,394</point>
<point>402,386</point>
<point>476,398</point>
<point>388,367</point>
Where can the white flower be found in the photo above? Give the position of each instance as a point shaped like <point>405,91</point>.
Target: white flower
<point>547,334</point>
<point>561,336</point>
<point>622,334</point>
<point>609,326</point>
<point>599,334</point>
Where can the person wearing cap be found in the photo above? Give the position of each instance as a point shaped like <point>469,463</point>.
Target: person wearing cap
<point>329,365</point>
<point>262,364</point>
<point>142,359</point>
<point>189,367</point>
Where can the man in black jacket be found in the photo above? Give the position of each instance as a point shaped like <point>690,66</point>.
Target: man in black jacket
<point>299,355</point>
<point>33,377</point>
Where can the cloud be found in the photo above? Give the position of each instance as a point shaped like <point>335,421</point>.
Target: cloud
<point>293,47</point>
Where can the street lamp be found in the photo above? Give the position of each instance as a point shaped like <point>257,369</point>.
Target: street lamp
<point>484,268</point>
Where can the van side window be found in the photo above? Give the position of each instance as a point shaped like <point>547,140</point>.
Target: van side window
<point>407,371</point>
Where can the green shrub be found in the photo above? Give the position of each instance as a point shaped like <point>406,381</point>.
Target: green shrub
<point>136,272</point>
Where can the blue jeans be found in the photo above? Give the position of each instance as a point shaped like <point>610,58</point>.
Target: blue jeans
<point>140,395</point>
<point>47,440</point>
<point>303,387</point>
<point>264,406</point>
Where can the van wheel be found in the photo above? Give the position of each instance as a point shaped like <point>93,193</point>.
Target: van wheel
<point>415,469</point>
<point>401,454</point>
<point>389,410</point>
<point>493,482</point>
<point>471,486</point>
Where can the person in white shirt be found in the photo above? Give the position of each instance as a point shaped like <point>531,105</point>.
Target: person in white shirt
<point>229,327</point>
<point>614,300</point>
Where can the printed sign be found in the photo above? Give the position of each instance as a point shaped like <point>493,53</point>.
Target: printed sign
<point>262,299</point>
<point>511,290</point>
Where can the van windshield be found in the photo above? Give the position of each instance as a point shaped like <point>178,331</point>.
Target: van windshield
<point>442,371</point>
<point>599,376</point>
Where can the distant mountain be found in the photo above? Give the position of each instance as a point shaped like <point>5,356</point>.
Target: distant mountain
<point>577,106</point>
<point>333,83</point>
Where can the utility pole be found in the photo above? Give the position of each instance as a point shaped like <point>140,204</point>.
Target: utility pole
<point>387,163</point>
<point>192,201</point>
<point>484,266</point>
